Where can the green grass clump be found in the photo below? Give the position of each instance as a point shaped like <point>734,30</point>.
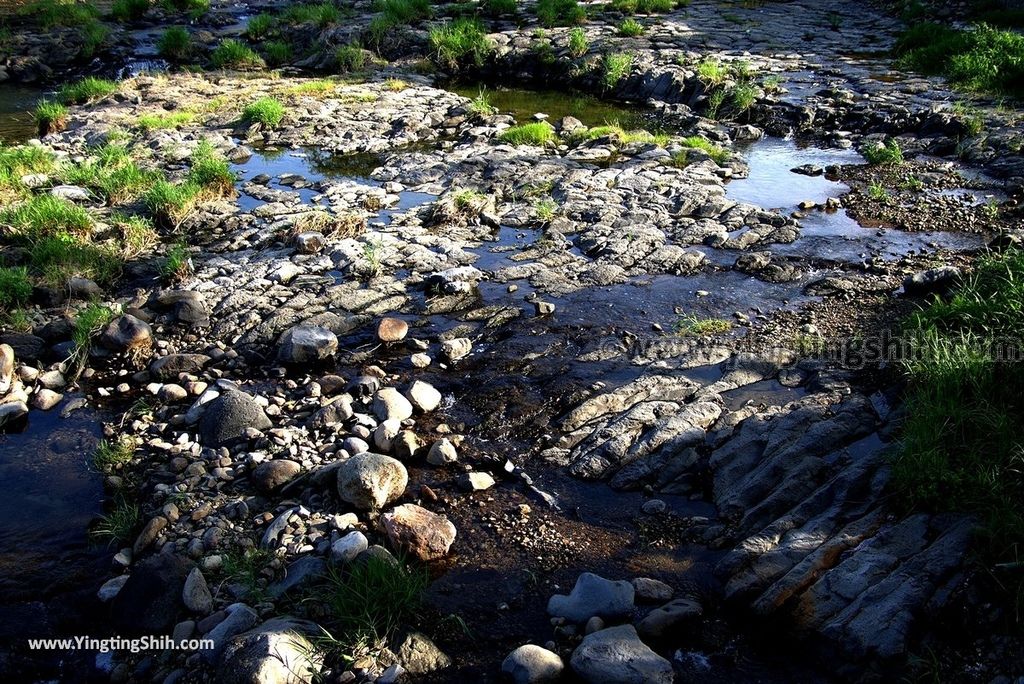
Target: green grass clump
<point>154,122</point>
<point>536,134</point>
<point>497,8</point>
<point>370,601</point>
<point>51,117</point>
<point>350,58</point>
<point>322,14</point>
<point>631,28</point>
<point>15,287</point>
<point>195,8</point>
<point>962,447</point>
<point>888,153</point>
<point>615,67</point>
<point>560,13</point>
<point>119,525</point>
<point>88,89</point>
<point>578,43</point>
<point>16,162</point>
<point>742,97</point>
<point>177,265</point>
<point>46,215</point>
<point>129,10</point>
<point>109,455</point>
<point>56,258</point>
<point>261,26</point>
<point>137,234</point>
<point>460,43</point>
<point>694,326</point>
<point>111,173</point>
<point>643,6</point>
<point>277,52</point>
<point>403,11</point>
<point>981,58</point>
<point>210,170</point>
<point>712,72</point>
<point>266,110</point>
<point>233,54</point>
<point>620,135</point>
<point>175,44</point>
<point>50,13</point>
<point>481,105</point>
<point>171,204</point>
<point>718,154</point>
<point>94,35</point>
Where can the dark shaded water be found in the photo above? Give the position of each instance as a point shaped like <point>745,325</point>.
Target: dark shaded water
<point>17,103</point>
<point>523,104</point>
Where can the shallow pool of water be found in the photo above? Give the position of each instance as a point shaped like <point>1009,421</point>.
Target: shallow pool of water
<point>50,496</point>
<point>523,103</point>
<point>17,123</point>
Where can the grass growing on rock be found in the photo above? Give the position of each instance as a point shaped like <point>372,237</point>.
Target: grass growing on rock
<point>153,122</point>
<point>981,58</point>
<point>350,58</point>
<point>537,134</point>
<point>177,265</point>
<point>460,43</point>
<point>371,601</point>
<point>322,14</point>
<point>614,68</point>
<point>887,153</point>
<point>277,52</point>
<point>643,6</point>
<point>50,117</point>
<point>89,89</point>
<point>46,215</point>
<point>233,54</point>
<point>119,525</point>
<point>210,171</point>
<point>175,44</point>
<point>694,326</point>
<point>560,13</point>
<point>578,43</point>
<point>266,111</point>
<point>111,454</point>
<point>718,154</point>
<point>962,446</point>
<point>631,28</point>
<point>128,10</point>
<point>15,287</point>
<point>261,26</point>
<point>620,135</point>
<point>171,204</point>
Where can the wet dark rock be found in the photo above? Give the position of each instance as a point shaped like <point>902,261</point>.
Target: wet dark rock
<point>227,417</point>
<point>127,334</point>
<point>299,573</point>
<point>932,281</point>
<point>668,619</point>
<point>272,475</point>
<point>168,368</point>
<point>26,347</point>
<point>150,601</point>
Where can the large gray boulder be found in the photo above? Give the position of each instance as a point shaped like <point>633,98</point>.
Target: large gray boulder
<point>371,481</point>
<point>307,344</point>
<point>593,595</point>
<point>150,602</point>
<point>932,281</point>
<point>226,418</point>
<point>277,652</point>
<point>617,656</point>
<point>531,664</point>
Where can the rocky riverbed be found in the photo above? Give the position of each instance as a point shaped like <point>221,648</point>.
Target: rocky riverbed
<point>607,403</point>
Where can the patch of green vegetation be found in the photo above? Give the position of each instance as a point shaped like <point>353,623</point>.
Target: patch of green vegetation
<point>981,58</point>
<point>888,153</point>
<point>615,67</point>
<point>712,72</point>
<point>17,162</point>
<point>912,183</point>
<point>481,105</point>
<point>620,135</point>
<point>877,192</point>
<point>56,258</point>
<point>631,28</point>
<point>50,117</point>
<point>50,13</point>
<point>322,14</point>
<point>742,97</point>
<point>119,525</point>
<point>177,265</point>
<point>89,89</point>
<point>111,454</point>
<point>537,134</point>
<point>560,12</point>
<point>403,11</point>
<point>642,6</point>
<point>171,204</point>
<point>718,154</point>
<point>371,601</point>
<point>194,8</point>
<point>460,43</point>
<point>175,44</point>
<point>136,232</point>
<point>246,568</point>
<point>46,215</point>
<point>15,287</point>
<point>350,58</point>
<point>277,52</point>
<point>153,122</point>
<point>545,209</point>
<point>578,43</point>
<point>962,446</point>
<point>694,326</point>
<point>233,54</point>
<point>111,173</point>
<point>318,87</point>
<point>210,170</point>
<point>395,85</point>
<point>266,110</point>
<point>128,10</point>
<point>970,116</point>
<point>497,8</point>
<point>94,35</point>
<point>261,26</point>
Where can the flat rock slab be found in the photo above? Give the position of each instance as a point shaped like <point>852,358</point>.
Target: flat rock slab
<point>617,656</point>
